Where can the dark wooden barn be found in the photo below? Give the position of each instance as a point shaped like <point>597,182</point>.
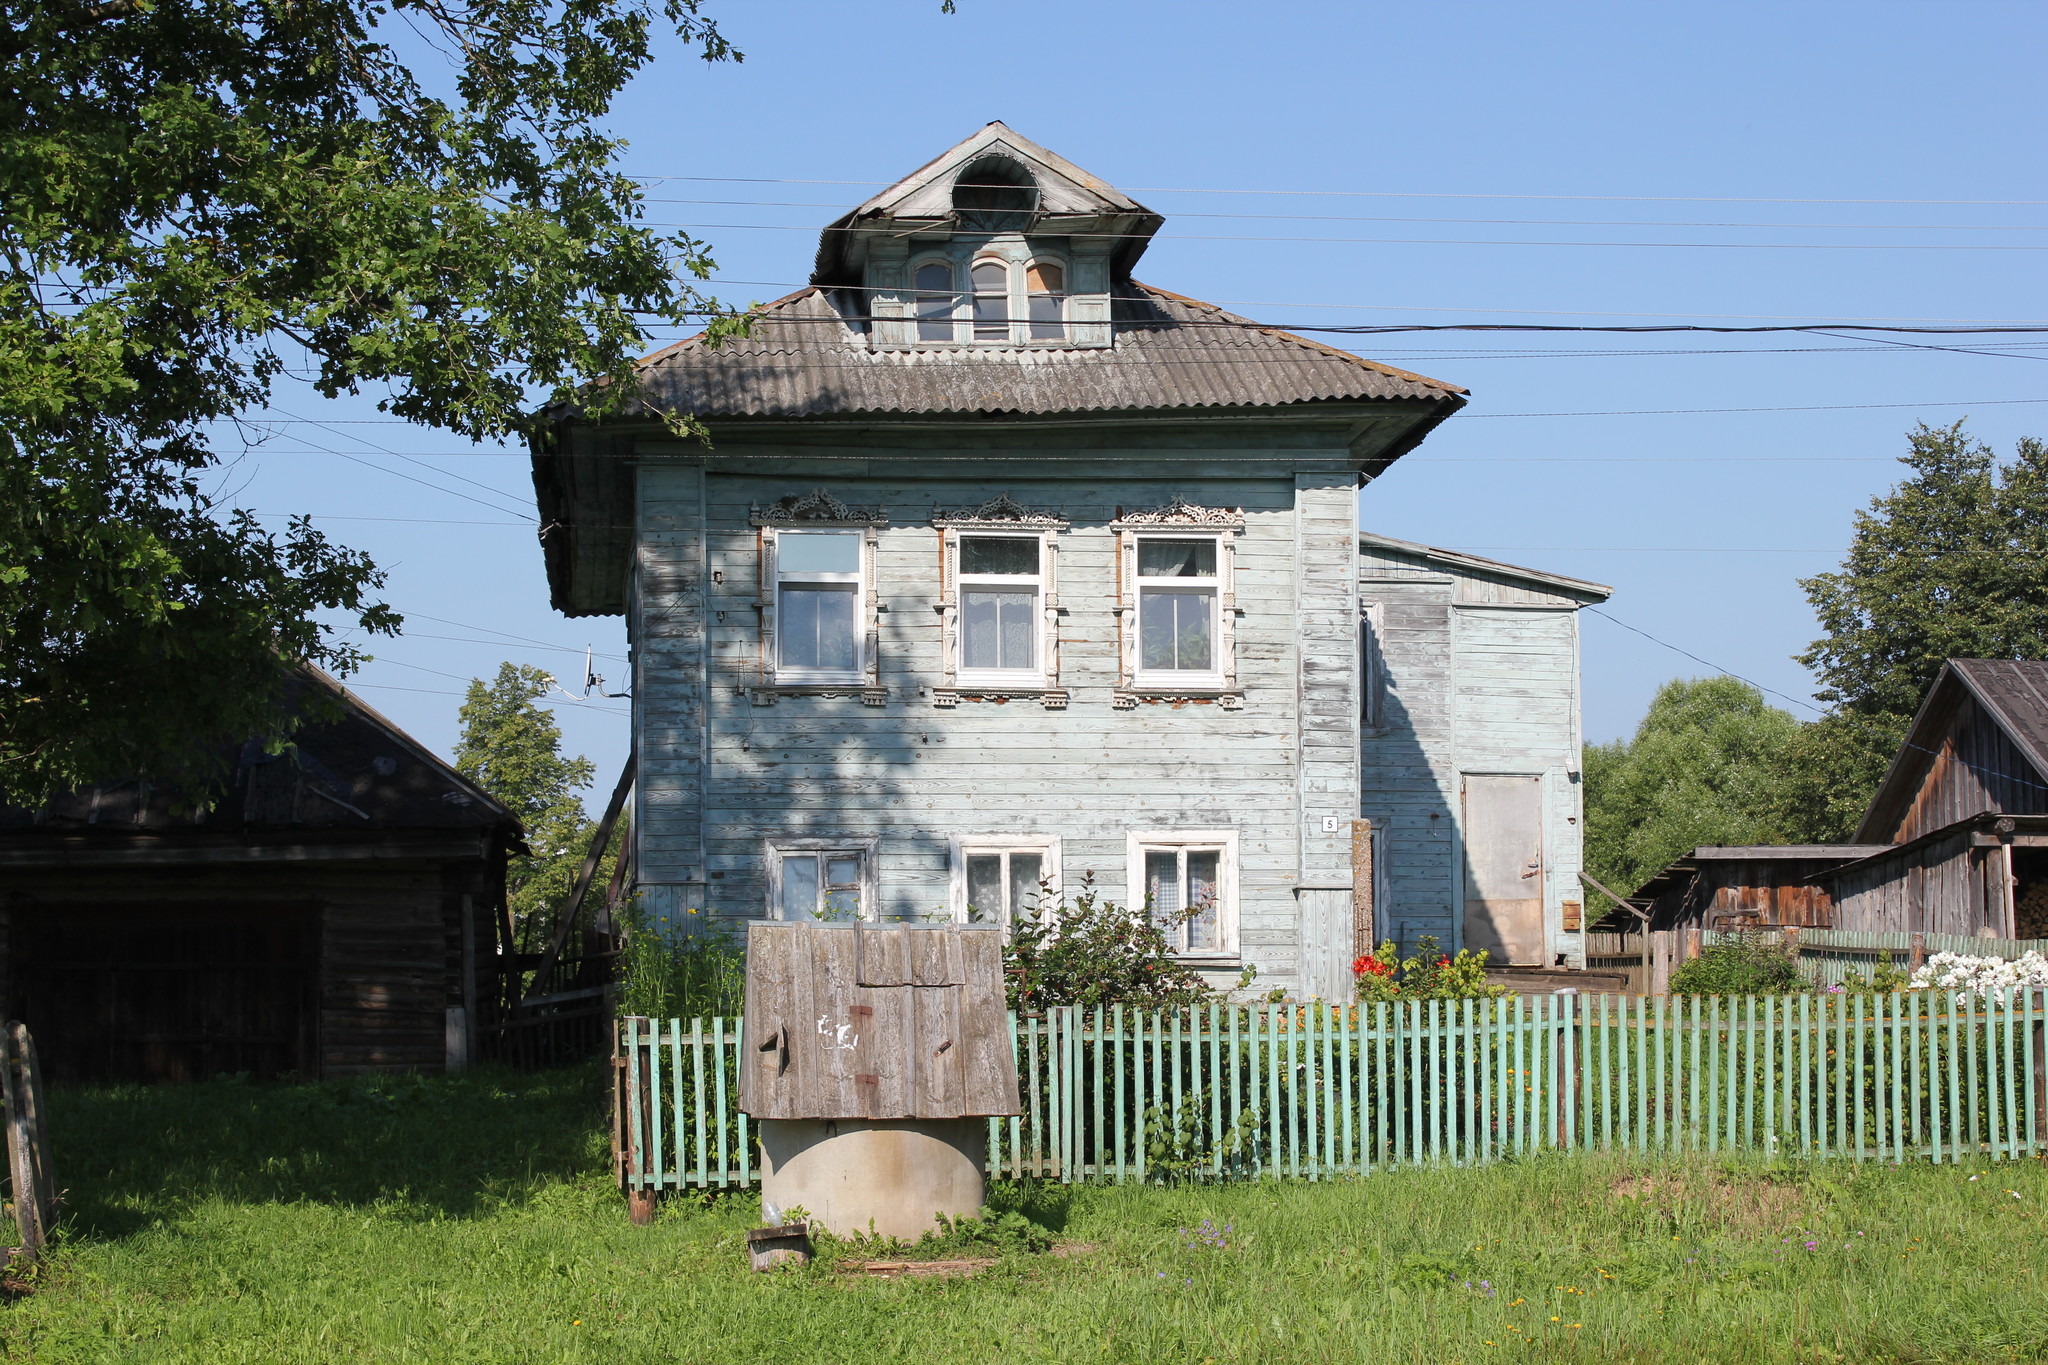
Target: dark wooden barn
<point>1954,842</point>
<point>1727,887</point>
<point>336,911</point>
<point>1964,810</point>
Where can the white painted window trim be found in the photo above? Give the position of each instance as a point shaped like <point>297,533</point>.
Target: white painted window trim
<point>959,846</point>
<point>960,311</point>
<point>1000,516</point>
<point>1024,293</point>
<point>1222,644</point>
<point>864,848</point>
<point>1045,674</point>
<point>1178,520</point>
<point>1013,252</point>
<point>1138,841</point>
<point>821,512</point>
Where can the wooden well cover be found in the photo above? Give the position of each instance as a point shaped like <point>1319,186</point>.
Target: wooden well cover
<point>853,1021</point>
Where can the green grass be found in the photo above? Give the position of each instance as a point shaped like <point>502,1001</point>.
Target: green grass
<point>471,1220</point>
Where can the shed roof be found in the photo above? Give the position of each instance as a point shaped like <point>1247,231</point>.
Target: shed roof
<point>2013,694</point>
<point>808,356</point>
<point>1458,559</point>
<point>357,772</point>
<point>1681,870</point>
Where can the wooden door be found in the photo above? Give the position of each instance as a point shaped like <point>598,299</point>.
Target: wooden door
<point>1504,869</point>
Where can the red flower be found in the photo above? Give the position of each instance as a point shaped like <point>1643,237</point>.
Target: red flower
<point>1368,965</point>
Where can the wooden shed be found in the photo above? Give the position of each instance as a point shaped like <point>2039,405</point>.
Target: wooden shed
<point>1745,887</point>
<point>335,912</point>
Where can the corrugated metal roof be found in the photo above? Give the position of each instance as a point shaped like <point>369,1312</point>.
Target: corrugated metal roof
<point>808,356</point>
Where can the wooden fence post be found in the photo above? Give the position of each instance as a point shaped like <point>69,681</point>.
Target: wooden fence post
<point>1660,961</point>
<point>28,1143</point>
<point>1692,943</point>
<point>1362,926</point>
<point>2039,1043</point>
<point>1918,954</point>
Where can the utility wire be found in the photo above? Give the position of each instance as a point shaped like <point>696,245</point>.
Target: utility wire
<point>1400,194</point>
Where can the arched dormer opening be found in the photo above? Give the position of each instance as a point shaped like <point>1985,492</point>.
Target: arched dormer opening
<point>995,194</point>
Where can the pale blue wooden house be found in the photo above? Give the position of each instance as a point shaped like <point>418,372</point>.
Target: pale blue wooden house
<point>1001,569</point>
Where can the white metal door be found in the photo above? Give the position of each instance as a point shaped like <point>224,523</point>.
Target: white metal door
<point>1504,868</point>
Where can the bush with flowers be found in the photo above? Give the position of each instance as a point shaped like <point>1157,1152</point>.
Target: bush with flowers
<point>1431,974</point>
<point>1982,975</point>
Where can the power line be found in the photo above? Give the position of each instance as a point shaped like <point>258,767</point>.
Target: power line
<point>1404,194</point>
<point>1420,241</point>
<point>1476,222</point>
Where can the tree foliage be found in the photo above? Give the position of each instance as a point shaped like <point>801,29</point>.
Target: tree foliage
<point>200,196</point>
<point>512,748</point>
<point>1703,767</point>
<point>1951,563</point>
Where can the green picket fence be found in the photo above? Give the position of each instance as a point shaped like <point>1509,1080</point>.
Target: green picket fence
<point>1316,1091</point>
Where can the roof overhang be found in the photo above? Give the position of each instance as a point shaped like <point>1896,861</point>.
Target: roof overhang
<point>1586,591</point>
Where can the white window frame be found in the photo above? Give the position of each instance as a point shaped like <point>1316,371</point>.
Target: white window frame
<point>918,295</point>
<point>1170,678</point>
<point>1001,516</point>
<point>819,511</point>
<point>864,849</point>
<point>1139,842</point>
<point>962,846</point>
<point>1178,520</point>
<point>1065,292</point>
<point>964,583</point>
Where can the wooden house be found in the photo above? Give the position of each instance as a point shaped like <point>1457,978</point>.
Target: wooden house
<point>1955,840</point>
<point>1001,569</point>
<point>335,911</point>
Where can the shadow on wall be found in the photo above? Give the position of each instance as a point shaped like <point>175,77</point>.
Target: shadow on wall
<point>1416,848</point>
<point>438,1146</point>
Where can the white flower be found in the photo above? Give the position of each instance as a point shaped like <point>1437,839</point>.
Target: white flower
<point>1996,976</point>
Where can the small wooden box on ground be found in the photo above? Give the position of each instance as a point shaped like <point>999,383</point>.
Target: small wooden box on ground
<point>871,1055</point>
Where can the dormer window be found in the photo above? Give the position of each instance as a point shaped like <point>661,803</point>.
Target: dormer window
<point>1046,286</point>
<point>991,301</point>
<point>1003,303</point>
<point>937,301</point>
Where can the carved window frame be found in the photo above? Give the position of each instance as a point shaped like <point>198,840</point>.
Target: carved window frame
<point>819,511</point>
<point>1000,516</point>
<point>1178,519</point>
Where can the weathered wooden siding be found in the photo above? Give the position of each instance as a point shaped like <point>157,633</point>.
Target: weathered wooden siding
<point>911,775</point>
<point>1940,887</point>
<point>1977,769</point>
<point>1481,677</point>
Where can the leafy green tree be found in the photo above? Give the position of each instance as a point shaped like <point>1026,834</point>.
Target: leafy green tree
<point>198,196</point>
<point>1702,768</point>
<point>512,748</point>
<point>1951,563</point>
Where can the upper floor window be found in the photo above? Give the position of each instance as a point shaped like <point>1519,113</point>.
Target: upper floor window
<point>1046,287</point>
<point>1177,607</point>
<point>937,301</point>
<point>818,592</point>
<point>999,303</point>
<point>1001,584</point>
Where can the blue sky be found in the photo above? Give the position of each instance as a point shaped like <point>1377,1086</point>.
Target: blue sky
<point>1569,163</point>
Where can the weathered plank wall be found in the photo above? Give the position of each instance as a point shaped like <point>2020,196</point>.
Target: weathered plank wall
<point>1942,887</point>
<point>1978,769</point>
<point>1481,676</point>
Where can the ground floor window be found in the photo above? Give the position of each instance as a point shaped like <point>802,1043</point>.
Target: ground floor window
<point>1187,881</point>
<point>1001,879</point>
<point>819,879</point>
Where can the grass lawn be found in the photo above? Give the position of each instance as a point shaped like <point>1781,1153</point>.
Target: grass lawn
<point>471,1220</point>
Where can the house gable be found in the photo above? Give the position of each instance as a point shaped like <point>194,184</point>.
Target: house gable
<point>1978,744</point>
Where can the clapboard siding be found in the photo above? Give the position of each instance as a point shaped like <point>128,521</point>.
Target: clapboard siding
<point>724,775</point>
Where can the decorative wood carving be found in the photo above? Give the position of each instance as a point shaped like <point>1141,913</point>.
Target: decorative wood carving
<point>1000,512</point>
<point>810,509</point>
<point>1181,512</point>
